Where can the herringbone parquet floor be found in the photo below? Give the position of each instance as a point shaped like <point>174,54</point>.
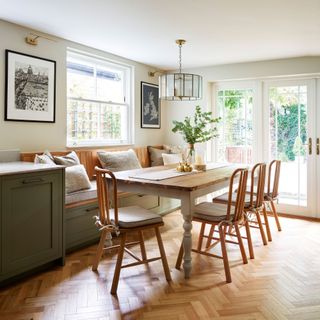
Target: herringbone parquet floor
<point>282,282</point>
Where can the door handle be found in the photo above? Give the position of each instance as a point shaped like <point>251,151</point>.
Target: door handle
<point>310,145</point>
<point>318,146</point>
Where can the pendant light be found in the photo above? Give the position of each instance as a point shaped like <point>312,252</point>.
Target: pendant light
<point>180,86</point>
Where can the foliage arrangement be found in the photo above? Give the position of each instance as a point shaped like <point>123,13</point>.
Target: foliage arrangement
<point>196,129</point>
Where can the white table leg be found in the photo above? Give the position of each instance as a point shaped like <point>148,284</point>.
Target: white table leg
<point>187,204</point>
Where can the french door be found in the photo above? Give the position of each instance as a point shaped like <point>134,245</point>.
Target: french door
<point>290,136</point>
<point>266,120</point>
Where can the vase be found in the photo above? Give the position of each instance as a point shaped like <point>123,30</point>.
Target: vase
<point>200,157</point>
<point>190,155</point>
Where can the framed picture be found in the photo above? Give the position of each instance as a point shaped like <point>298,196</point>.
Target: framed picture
<point>30,88</point>
<point>150,106</point>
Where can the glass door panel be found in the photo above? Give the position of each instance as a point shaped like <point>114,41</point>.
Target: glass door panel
<point>235,107</point>
<point>288,140</point>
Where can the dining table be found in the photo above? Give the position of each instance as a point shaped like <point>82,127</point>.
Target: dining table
<point>166,181</point>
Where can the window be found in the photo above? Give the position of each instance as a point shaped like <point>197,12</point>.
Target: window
<point>99,110</point>
<point>235,107</point>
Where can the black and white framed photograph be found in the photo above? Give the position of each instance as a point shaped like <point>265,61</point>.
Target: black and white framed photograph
<point>150,106</point>
<point>30,88</point>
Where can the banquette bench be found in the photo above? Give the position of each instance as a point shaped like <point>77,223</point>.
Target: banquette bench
<point>81,206</point>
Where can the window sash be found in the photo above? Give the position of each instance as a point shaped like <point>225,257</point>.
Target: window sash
<point>124,111</point>
<point>123,114</point>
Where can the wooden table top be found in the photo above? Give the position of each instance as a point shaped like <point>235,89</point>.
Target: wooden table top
<point>186,182</point>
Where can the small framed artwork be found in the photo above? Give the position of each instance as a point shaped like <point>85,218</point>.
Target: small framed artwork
<point>30,88</point>
<point>150,106</point>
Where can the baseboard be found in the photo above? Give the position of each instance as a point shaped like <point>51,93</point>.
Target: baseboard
<point>294,216</point>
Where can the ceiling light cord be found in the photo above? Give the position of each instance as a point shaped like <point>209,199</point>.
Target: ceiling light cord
<point>180,57</point>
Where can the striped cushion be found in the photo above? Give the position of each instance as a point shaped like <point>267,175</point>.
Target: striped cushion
<point>214,212</point>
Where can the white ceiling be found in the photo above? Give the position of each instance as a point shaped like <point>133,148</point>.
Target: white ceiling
<point>217,31</point>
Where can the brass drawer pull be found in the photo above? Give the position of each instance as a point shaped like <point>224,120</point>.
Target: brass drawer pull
<point>32,181</point>
<point>318,146</point>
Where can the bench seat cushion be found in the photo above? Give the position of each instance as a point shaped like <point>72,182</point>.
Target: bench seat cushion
<point>83,195</point>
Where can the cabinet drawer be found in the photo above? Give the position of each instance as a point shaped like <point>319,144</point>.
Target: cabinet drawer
<point>80,227</point>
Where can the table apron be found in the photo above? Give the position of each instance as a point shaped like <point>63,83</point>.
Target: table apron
<point>170,192</point>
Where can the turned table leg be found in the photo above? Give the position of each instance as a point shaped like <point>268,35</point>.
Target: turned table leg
<point>186,209</point>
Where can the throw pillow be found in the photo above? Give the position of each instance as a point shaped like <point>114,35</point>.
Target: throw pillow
<point>155,155</point>
<point>173,149</point>
<point>76,178</point>
<point>119,160</point>
<point>71,159</point>
<point>171,158</point>
<point>45,158</point>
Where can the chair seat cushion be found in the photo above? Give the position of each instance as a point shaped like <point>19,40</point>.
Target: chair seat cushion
<point>214,212</point>
<point>224,199</point>
<point>135,216</point>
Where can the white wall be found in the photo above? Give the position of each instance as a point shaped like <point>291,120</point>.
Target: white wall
<point>40,136</point>
<point>239,71</point>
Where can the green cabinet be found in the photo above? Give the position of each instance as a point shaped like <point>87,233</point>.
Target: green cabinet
<point>31,212</point>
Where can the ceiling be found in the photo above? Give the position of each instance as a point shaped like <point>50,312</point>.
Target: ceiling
<point>217,31</point>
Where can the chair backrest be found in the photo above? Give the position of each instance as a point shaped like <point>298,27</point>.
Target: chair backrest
<point>103,186</point>
<point>273,178</point>
<point>258,174</point>
<point>238,182</point>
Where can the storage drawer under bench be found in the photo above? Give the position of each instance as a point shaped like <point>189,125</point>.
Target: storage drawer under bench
<point>80,227</point>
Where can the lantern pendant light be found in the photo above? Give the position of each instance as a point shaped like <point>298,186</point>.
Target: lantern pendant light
<point>180,86</point>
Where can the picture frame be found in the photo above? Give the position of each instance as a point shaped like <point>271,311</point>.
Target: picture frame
<point>30,92</point>
<point>150,106</point>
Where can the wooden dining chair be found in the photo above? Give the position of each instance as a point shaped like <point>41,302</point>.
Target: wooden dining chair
<point>126,220</point>
<point>271,196</point>
<point>223,216</point>
<point>254,201</point>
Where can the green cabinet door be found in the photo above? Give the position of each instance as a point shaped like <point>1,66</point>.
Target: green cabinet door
<point>31,220</point>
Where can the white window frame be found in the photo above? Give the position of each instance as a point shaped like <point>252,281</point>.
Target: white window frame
<point>128,71</point>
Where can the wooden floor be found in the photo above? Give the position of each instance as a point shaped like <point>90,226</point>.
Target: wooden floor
<point>282,282</point>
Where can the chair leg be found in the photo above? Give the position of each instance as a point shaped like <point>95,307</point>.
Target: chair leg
<point>210,236</point>
<point>276,217</point>
<point>179,258</point>
<point>142,246</point>
<point>201,234</point>
<point>266,221</point>
<point>163,255</point>
<point>263,236</point>
<point>249,239</point>
<point>224,253</point>
<point>99,252</point>
<point>117,270</point>
<point>243,252</point>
